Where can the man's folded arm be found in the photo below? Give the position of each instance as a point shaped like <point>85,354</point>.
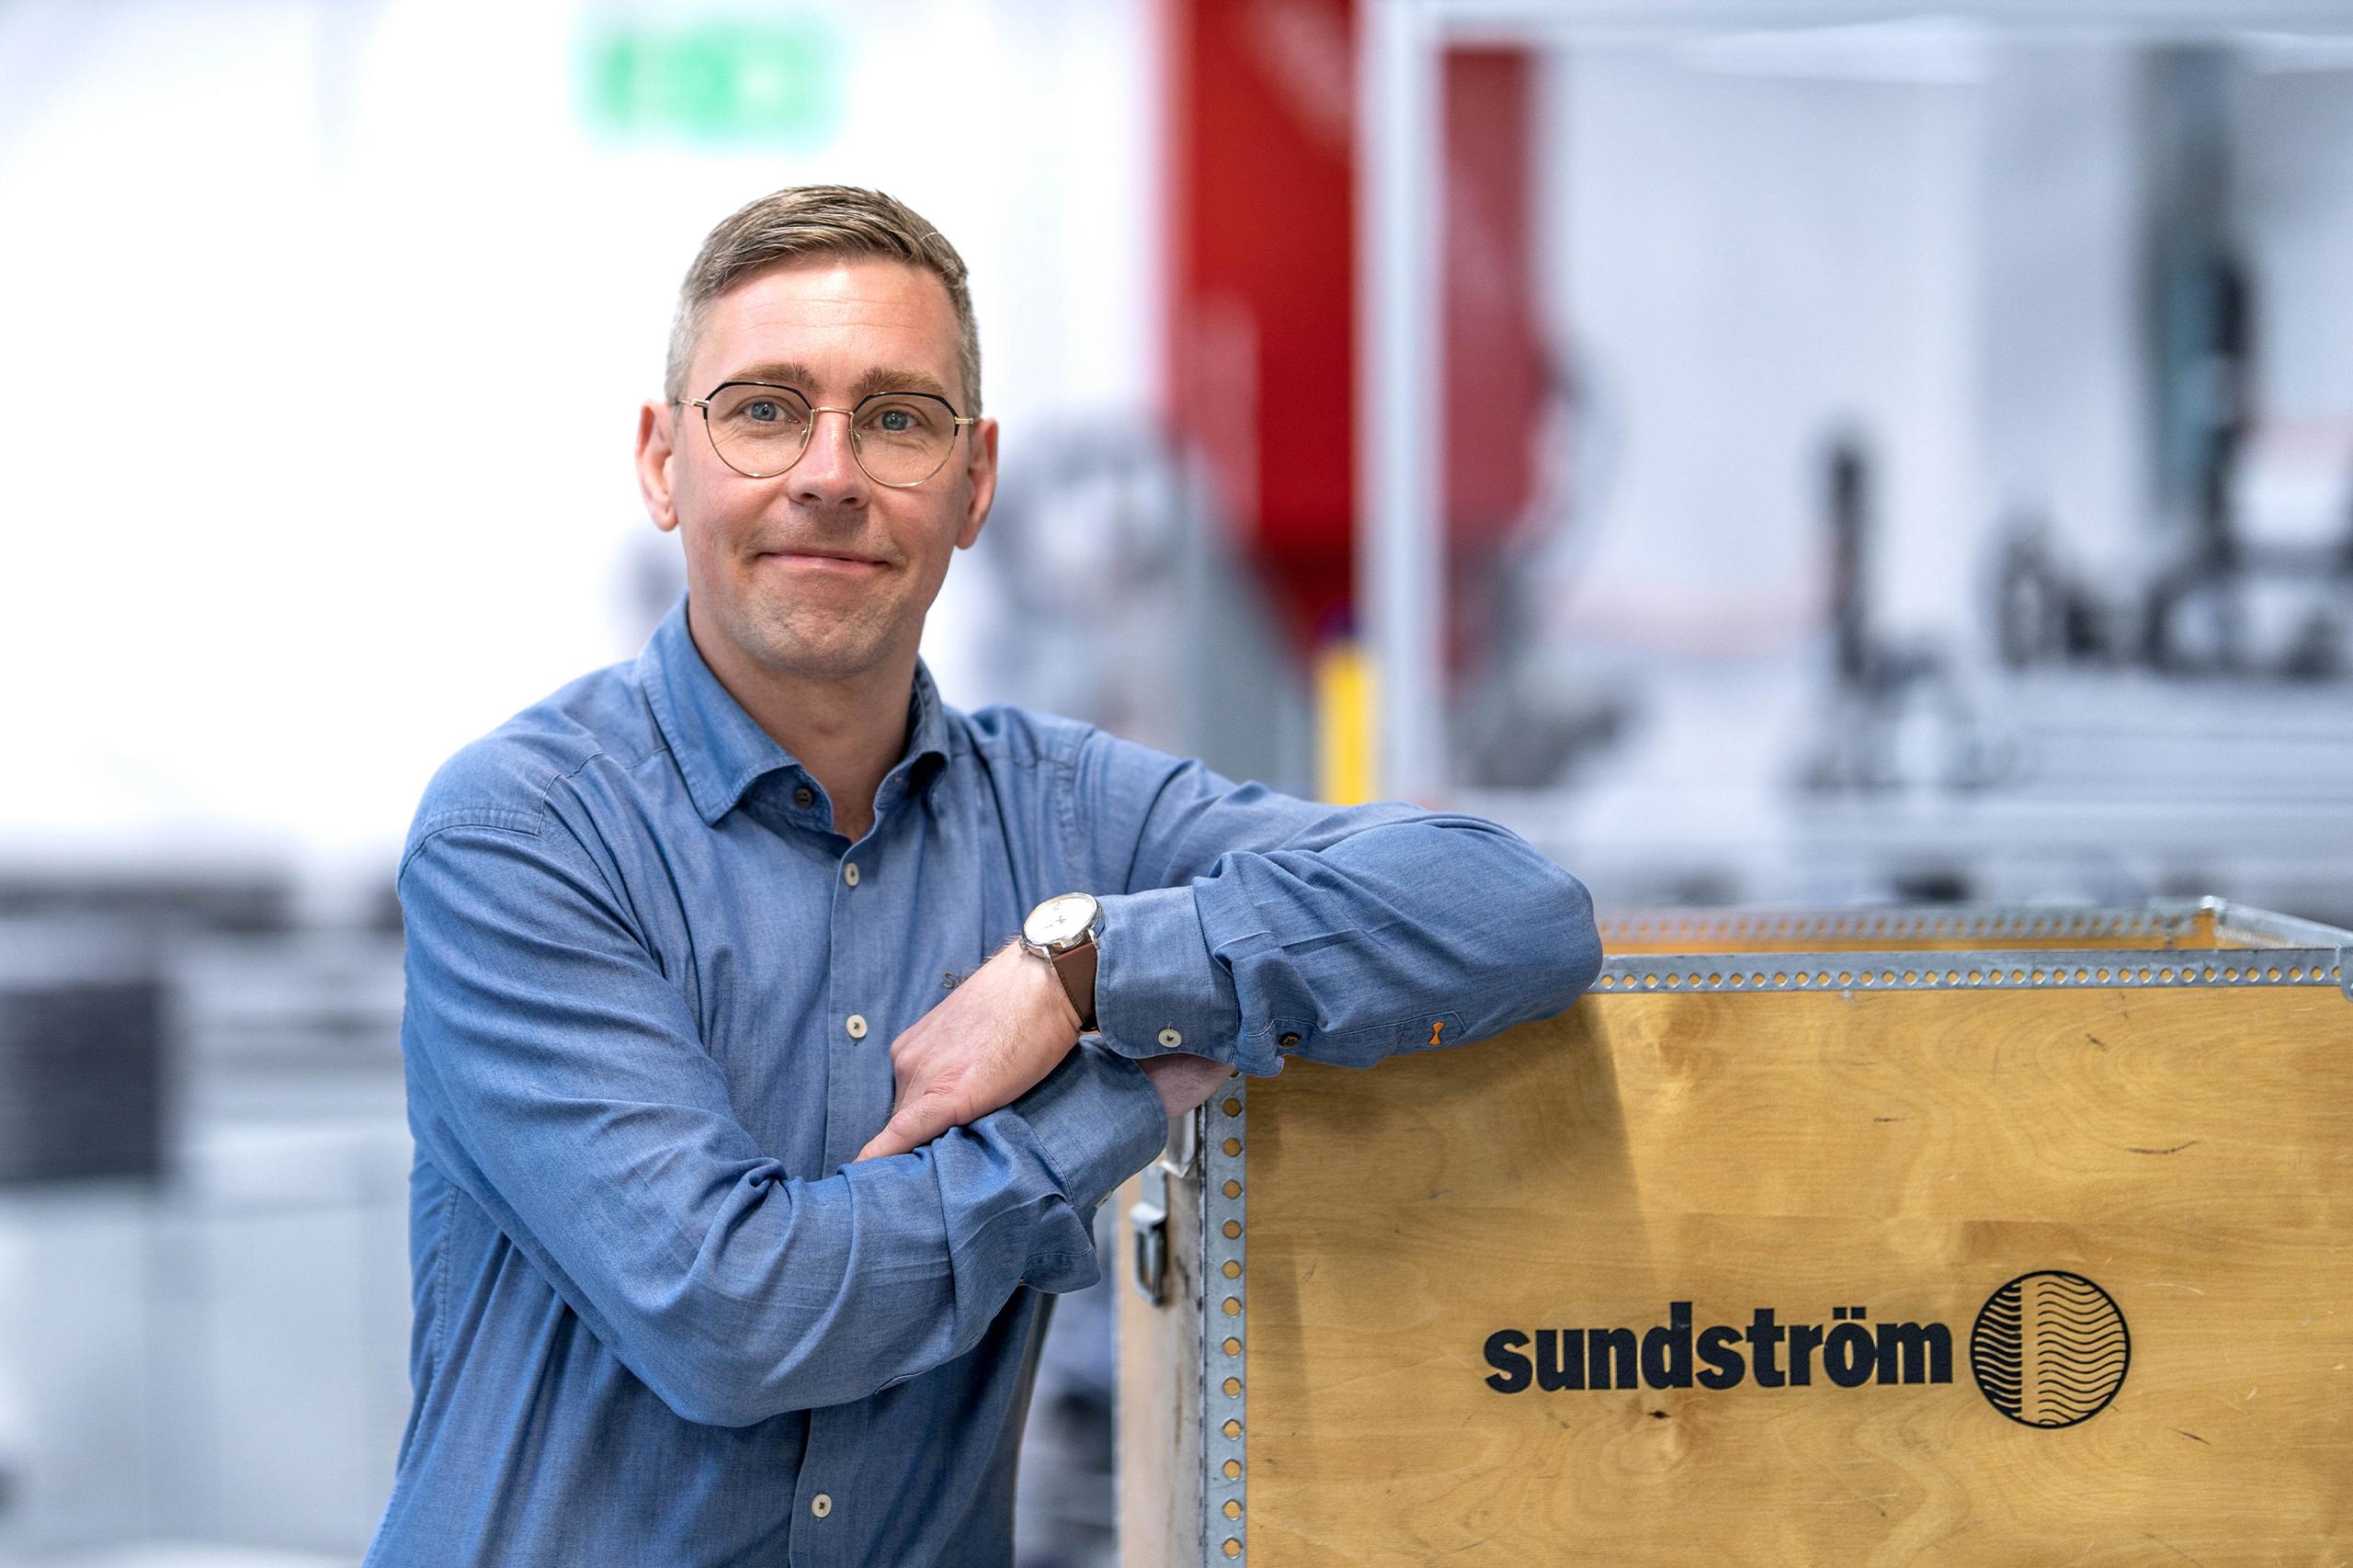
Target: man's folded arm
<point>1250,925</point>
<point>558,1076</point>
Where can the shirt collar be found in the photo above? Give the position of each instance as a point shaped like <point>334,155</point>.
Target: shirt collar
<point>720,749</point>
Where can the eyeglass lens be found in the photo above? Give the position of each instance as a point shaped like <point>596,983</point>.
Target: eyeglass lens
<point>897,437</point>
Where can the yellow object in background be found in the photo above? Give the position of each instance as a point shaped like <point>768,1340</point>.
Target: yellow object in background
<point>1344,764</point>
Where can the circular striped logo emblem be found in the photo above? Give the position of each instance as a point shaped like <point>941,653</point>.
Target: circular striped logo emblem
<point>2050,1349</point>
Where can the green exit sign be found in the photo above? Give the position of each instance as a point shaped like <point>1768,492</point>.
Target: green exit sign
<point>717,82</point>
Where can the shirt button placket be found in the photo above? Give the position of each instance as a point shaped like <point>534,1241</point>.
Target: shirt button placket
<point>852,985</point>
<point>828,1536</point>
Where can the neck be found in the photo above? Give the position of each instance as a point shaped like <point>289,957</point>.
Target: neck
<point>849,733</point>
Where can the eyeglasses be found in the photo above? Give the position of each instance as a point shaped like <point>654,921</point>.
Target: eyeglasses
<point>900,438</point>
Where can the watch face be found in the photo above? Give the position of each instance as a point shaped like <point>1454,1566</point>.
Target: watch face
<point>1061,920</point>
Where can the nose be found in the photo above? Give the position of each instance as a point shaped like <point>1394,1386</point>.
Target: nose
<point>827,473</point>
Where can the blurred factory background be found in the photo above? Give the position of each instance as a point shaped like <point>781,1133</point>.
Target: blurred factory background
<point>1764,452</point>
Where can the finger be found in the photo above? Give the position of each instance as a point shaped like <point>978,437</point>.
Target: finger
<point>910,1127</point>
<point>902,1062</point>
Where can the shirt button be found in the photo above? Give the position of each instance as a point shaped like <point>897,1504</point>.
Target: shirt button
<point>849,873</point>
<point>1171,1038</point>
<point>858,1025</point>
<point>821,1505</point>
<point>804,797</point>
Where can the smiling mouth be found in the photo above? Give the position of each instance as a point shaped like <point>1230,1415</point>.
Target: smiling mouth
<point>819,559</point>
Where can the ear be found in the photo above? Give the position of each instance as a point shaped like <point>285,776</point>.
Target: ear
<point>980,481</point>
<point>657,432</point>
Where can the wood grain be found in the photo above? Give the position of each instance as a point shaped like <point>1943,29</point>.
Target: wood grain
<point>2189,1150</point>
<point>1158,1435</point>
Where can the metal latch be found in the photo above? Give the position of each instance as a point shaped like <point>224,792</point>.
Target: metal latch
<point>1148,1217</point>
<point>1184,1146</point>
<point>1148,1236</point>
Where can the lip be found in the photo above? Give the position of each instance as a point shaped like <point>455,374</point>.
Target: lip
<point>817,561</point>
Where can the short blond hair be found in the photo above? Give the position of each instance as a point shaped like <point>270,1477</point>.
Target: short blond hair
<point>810,221</point>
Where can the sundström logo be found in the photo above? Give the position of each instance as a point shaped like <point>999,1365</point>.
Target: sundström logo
<point>2050,1349</point>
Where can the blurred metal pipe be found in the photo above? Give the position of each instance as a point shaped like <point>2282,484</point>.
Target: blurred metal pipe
<point>1401,588</point>
<point>1590,21</point>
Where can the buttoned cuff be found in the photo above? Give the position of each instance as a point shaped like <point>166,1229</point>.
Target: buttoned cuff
<point>1158,990</point>
<point>1096,1121</point>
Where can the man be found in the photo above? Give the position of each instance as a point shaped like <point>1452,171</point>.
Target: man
<point>748,1147</point>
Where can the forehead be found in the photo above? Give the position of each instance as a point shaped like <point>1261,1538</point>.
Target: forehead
<point>838,317</point>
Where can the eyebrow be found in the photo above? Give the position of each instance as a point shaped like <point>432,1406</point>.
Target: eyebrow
<point>790,373</point>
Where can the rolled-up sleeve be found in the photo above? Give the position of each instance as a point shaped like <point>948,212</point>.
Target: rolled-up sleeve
<point>557,1076</point>
<point>1248,926</point>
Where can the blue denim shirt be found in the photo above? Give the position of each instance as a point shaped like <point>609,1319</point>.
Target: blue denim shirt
<point>659,1318</point>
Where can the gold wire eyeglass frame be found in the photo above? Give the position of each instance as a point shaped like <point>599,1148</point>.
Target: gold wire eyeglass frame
<point>958,422</point>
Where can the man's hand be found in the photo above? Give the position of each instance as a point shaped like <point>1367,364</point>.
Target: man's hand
<point>996,1036</point>
<point>1184,1081</point>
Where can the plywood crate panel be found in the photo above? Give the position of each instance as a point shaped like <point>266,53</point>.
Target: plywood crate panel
<point>2058,1235</point>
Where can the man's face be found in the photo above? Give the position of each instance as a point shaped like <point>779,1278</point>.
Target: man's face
<point>817,572</point>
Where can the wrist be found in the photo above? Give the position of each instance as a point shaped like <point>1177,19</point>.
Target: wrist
<point>1053,996</point>
<point>1062,931</point>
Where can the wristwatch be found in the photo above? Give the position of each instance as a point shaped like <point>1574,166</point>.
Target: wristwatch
<point>1062,932</point>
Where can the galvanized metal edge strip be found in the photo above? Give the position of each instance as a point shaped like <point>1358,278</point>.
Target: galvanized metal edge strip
<point>2237,922</point>
<point>2086,969</point>
<point>1224,1318</point>
<point>2156,918</point>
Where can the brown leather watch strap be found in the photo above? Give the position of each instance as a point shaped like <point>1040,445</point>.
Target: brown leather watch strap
<point>1077,968</point>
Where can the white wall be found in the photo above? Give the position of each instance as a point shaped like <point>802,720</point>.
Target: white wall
<point>1750,264</point>
<point>2292,191</point>
<point>2063,386</point>
<point>385,310</point>
<point>1945,252</point>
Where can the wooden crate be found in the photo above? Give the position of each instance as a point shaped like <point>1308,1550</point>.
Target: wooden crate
<point>2052,1210</point>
